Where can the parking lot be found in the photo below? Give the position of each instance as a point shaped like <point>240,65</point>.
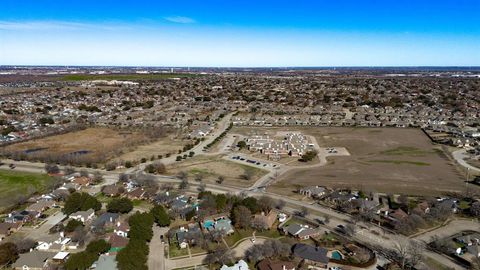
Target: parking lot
<point>255,162</point>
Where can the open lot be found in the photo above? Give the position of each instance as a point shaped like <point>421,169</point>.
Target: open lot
<point>211,167</point>
<point>14,185</point>
<point>161,146</point>
<point>93,145</point>
<point>381,159</point>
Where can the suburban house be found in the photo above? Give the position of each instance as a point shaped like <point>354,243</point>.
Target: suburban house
<point>82,181</point>
<point>40,206</point>
<point>122,229</point>
<point>106,220</point>
<point>83,216</point>
<point>186,234</point>
<point>240,265</point>
<point>8,228</point>
<point>315,256</point>
<point>22,216</point>
<point>113,190</point>
<point>61,257</point>
<point>302,232</point>
<point>268,264</point>
<point>136,194</point>
<point>117,242</point>
<point>35,260</point>
<point>313,191</point>
<point>218,223</point>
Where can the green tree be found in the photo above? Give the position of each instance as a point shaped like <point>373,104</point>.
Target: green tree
<point>81,202</point>
<point>160,216</point>
<point>141,226</point>
<point>72,225</point>
<point>221,201</point>
<point>251,204</point>
<point>241,144</point>
<point>98,246</point>
<point>120,205</point>
<point>133,256</point>
<point>80,261</point>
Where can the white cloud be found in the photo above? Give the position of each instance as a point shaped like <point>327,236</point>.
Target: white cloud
<point>180,19</point>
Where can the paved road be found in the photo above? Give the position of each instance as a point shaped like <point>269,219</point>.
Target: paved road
<point>222,125</point>
<point>36,233</point>
<point>451,228</point>
<point>156,257</point>
<point>238,251</point>
<point>460,156</point>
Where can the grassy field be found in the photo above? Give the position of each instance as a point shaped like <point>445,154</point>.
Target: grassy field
<point>15,184</point>
<point>98,144</point>
<point>382,159</point>
<point>210,167</point>
<point>126,77</point>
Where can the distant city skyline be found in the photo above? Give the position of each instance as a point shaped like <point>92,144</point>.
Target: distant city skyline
<point>250,34</point>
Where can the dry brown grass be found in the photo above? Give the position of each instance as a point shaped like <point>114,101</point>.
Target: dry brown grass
<point>161,146</point>
<point>210,167</point>
<point>382,159</point>
<point>102,143</point>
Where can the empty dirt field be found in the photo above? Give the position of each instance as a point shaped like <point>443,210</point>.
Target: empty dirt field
<point>211,167</point>
<point>89,145</point>
<point>382,159</point>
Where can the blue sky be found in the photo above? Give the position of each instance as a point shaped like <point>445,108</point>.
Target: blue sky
<point>248,33</point>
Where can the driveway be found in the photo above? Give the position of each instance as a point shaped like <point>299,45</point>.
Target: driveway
<point>35,233</point>
<point>156,257</point>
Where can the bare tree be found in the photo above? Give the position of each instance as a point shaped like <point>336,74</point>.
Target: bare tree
<point>280,204</point>
<point>52,168</point>
<point>303,211</point>
<point>182,175</point>
<point>260,224</point>
<point>408,252</point>
<point>69,170</point>
<point>247,174</point>
<point>123,177</point>
<point>326,219</point>
<point>202,187</point>
<point>475,209</point>
<point>183,184</point>
<point>25,244</point>
<point>221,255</point>
<point>266,203</point>
<point>166,186</point>
<point>350,229</point>
<point>97,177</point>
<point>242,217</point>
<point>199,177</point>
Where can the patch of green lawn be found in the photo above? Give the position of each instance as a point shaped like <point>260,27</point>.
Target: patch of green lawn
<point>175,251</point>
<point>14,184</point>
<point>464,205</point>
